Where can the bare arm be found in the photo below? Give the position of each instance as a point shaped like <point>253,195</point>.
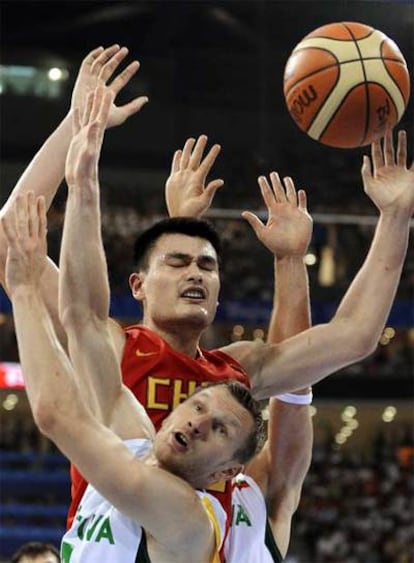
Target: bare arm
<point>84,286</point>
<point>281,466</point>
<point>145,493</point>
<point>45,172</point>
<point>287,235</point>
<point>355,330</point>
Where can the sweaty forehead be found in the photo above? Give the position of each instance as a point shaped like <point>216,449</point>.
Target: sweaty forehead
<point>184,244</point>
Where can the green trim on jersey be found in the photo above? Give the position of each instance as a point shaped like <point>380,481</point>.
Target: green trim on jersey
<point>271,544</point>
<point>142,553</point>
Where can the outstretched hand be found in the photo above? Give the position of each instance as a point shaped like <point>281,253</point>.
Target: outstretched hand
<point>387,180</point>
<point>185,191</point>
<point>85,148</point>
<point>288,229</point>
<point>97,68</point>
<point>25,230</point>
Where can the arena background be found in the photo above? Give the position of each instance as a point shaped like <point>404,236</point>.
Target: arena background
<point>217,68</point>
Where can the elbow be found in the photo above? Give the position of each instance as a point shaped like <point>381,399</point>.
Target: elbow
<point>45,417</point>
<point>361,340</point>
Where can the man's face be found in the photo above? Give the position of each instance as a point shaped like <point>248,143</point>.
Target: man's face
<point>198,439</point>
<point>181,286</point>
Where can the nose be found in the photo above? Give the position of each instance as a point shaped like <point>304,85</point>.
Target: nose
<point>194,272</point>
<point>199,426</point>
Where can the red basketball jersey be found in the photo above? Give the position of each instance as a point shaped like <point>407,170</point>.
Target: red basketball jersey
<point>161,378</point>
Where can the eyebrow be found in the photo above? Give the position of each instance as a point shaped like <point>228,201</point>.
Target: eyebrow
<point>232,421</point>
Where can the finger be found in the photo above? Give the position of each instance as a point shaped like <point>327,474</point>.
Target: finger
<point>9,227</point>
<point>302,200</point>
<point>278,190</point>
<point>42,222</point>
<point>110,66</point>
<point>254,222</point>
<point>376,155</point>
<point>267,194</point>
<point>125,111</point>
<point>22,229</point>
<point>96,104</point>
<point>88,109</point>
<point>104,57</point>
<point>185,157</point>
<point>366,171</point>
<point>175,165</point>
<point>211,189</point>
<point>210,159</point>
<point>76,121</point>
<point>389,156</point>
<point>290,190</point>
<point>197,153</point>
<point>32,219</point>
<point>402,149</point>
<point>92,56</point>
<point>124,77</point>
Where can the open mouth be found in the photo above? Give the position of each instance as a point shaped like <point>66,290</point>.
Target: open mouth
<point>194,293</point>
<point>181,441</point>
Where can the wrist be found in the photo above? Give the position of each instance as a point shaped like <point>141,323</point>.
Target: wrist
<point>296,398</point>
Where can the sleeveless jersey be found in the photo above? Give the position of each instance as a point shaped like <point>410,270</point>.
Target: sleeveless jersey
<point>250,539</point>
<point>161,378</point>
<point>100,532</point>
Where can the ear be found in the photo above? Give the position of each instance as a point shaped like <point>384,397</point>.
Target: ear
<point>136,283</point>
<point>226,474</point>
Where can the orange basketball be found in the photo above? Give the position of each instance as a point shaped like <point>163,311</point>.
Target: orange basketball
<point>345,83</point>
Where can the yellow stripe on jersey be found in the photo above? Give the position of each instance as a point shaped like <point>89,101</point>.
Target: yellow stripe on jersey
<point>217,534</point>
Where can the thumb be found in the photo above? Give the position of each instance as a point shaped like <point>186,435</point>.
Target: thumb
<point>212,187</point>
<point>254,222</point>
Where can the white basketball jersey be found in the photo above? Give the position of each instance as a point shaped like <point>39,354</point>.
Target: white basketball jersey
<point>101,533</point>
<point>250,539</point>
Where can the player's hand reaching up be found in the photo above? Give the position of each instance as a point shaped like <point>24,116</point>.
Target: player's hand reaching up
<point>387,180</point>
<point>84,151</point>
<point>97,69</point>
<point>25,230</point>
<point>288,229</point>
<point>186,192</point>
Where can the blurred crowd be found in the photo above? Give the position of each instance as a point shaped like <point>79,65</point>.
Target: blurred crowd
<point>355,509</point>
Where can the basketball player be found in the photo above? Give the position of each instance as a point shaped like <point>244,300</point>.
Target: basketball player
<point>137,489</point>
<point>173,373</point>
<point>359,320</point>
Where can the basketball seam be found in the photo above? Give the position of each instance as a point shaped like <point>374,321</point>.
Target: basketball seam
<point>393,80</point>
<point>367,112</point>
<point>338,38</point>
<point>339,64</point>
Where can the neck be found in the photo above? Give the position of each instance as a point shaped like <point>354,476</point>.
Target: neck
<point>182,339</point>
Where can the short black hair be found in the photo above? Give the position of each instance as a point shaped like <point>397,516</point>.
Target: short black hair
<point>255,440</point>
<point>34,549</point>
<point>190,226</point>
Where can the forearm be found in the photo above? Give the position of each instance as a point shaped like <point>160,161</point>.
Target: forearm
<point>84,288</point>
<point>43,176</point>
<point>291,307</point>
<point>46,368</point>
<point>367,302</point>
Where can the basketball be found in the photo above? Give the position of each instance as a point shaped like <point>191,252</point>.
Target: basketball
<point>345,83</point>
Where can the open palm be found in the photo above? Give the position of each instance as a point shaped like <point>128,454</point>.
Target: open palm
<point>288,229</point>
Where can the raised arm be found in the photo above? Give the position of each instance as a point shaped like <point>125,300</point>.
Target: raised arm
<point>281,466</point>
<point>84,286</point>
<point>287,234</point>
<point>45,172</point>
<point>143,492</point>
<point>354,331</point>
